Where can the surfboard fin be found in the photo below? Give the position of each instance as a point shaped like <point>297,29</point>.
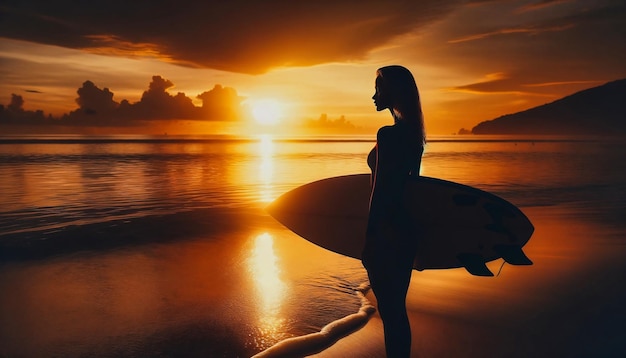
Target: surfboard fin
<point>512,254</point>
<point>474,264</point>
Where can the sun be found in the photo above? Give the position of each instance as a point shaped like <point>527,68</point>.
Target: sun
<point>266,111</point>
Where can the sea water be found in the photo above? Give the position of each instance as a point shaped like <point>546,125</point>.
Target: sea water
<point>159,246</point>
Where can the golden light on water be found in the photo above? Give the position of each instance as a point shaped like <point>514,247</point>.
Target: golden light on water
<point>270,289</point>
<point>266,168</point>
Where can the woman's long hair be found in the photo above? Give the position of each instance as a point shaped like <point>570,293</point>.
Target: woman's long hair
<point>406,99</point>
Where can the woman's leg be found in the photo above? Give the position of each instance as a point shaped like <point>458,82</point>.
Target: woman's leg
<point>390,280</point>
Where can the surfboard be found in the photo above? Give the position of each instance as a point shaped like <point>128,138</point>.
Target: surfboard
<point>458,225</point>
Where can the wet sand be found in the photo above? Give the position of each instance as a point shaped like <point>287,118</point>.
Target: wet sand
<point>208,283</point>
<point>162,300</point>
<point>570,303</point>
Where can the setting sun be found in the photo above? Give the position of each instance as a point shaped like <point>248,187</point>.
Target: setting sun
<point>267,111</point>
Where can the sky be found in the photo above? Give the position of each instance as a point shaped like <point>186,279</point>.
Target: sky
<point>308,65</point>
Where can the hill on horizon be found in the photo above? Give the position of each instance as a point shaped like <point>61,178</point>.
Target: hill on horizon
<point>597,110</point>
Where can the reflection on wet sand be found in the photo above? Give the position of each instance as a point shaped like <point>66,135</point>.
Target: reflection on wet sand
<point>270,290</point>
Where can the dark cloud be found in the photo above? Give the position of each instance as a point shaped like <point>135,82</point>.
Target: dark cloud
<point>339,124</point>
<point>92,99</point>
<point>236,35</point>
<point>538,5</point>
<point>157,103</point>
<point>525,30</point>
<point>96,107</point>
<point>557,42</point>
<point>14,113</point>
<point>17,103</point>
<point>500,84</point>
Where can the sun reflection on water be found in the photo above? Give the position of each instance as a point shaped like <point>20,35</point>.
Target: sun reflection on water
<point>270,290</point>
<point>266,168</point>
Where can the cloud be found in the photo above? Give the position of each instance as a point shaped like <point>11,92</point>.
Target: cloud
<point>339,124</point>
<point>502,83</point>
<point>575,42</point>
<point>575,15</point>
<point>221,102</point>
<point>14,113</point>
<point>496,86</point>
<point>96,107</point>
<point>541,5</point>
<point>92,99</point>
<point>512,30</point>
<point>16,104</point>
<point>565,83</point>
<point>157,103</point>
<point>236,35</point>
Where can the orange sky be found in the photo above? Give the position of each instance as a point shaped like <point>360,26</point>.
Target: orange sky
<point>473,60</point>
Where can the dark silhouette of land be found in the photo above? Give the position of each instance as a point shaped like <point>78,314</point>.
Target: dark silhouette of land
<point>598,110</point>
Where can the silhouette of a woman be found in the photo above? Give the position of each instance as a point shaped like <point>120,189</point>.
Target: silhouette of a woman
<point>389,252</point>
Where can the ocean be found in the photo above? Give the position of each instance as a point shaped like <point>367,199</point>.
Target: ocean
<point>160,246</point>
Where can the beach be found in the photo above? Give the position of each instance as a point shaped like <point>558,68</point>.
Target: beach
<point>570,303</point>
<point>163,248</point>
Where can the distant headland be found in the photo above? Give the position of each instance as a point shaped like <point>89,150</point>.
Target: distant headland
<point>594,111</point>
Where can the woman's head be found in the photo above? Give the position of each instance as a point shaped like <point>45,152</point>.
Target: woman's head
<point>396,90</point>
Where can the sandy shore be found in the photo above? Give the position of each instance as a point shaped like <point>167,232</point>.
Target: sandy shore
<point>136,299</point>
<point>569,304</point>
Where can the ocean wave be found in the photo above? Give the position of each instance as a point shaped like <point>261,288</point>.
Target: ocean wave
<point>327,336</point>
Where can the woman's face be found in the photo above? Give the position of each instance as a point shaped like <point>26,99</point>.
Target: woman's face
<point>381,97</point>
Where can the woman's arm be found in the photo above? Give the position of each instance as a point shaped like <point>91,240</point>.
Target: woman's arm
<point>389,178</point>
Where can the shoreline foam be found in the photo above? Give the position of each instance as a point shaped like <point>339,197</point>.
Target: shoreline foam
<point>327,336</point>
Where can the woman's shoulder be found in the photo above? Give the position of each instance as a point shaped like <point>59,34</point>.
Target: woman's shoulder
<point>387,132</point>
<point>397,134</point>
<point>392,133</point>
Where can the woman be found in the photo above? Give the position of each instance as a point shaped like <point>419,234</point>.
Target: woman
<point>390,244</point>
